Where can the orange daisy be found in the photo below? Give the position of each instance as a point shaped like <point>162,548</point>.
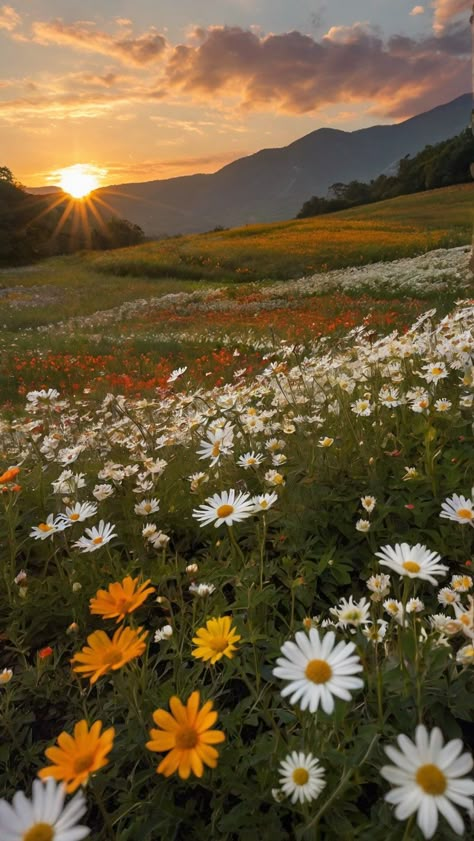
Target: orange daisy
<point>78,756</point>
<point>103,654</point>
<point>186,734</point>
<point>9,475</point>
<point>216,640</point>
<point>121,598</point>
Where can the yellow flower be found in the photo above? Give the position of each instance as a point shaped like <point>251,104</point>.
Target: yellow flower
<point>187,736</point>
<point>80,755</point>
<point>215,640</point>
<point>103,654</point>
<point>120,598</point>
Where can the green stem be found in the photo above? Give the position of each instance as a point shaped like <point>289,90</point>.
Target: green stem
<point>345,779</point>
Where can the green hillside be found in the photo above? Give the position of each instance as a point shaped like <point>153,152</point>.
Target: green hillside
<point>399,227</point>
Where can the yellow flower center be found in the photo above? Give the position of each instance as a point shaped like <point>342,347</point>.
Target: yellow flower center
<point>277,479</point>
<point>45,527</point>
<point>216,449</point>
<point>84,762</point>
<point>251,460</point>
<point>74,516</point>
<point>112,657</point>
<point>98,540</point>
<point>318,671</point>
<point>300,776</point>
<point>225,510</point>
<point>465,513</point>
<point>218,643</point>
<point>431,779</point>
<point>147,507</point>
<point>264,503</point>
<point>39,832</point>
<point>436,371</point>
<point>411,566</point>
<point>186,738</point>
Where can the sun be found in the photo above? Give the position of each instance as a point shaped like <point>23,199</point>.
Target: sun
<point>79,180</point>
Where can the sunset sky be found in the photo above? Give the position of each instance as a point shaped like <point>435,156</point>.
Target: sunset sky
<point>150,89</point>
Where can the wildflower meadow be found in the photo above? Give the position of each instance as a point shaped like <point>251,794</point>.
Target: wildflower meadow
<point>237,594</point>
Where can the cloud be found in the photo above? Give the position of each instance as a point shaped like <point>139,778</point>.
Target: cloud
<point>244,70</point>
<point>446,10</point>
<point>83,35</point>
<point>417,10</point>
<point>294,73</point>
<point>9,19</point>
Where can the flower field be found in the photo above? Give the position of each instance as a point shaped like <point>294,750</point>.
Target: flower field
<point>236,553</point>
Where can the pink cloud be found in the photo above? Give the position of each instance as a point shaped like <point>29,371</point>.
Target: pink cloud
<point>417,10</point>
<point>294,73</point>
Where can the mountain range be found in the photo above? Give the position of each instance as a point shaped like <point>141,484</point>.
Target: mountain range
<point>273,184</point>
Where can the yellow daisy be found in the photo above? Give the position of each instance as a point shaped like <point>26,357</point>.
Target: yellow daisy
<point>78,756</point>
<point>186,734</point>
<point>103,654</point>
<point>216,640</point>
<point>120,599</point>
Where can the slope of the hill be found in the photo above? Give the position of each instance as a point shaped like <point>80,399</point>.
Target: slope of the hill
<point>272,184</point>
<point>400,227</point>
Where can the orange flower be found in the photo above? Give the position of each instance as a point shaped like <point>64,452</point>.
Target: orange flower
<point>120,598</point>
<point>80,755</point>
<point>186,734</point>
<point>103,654</point>
<point>9,475</point>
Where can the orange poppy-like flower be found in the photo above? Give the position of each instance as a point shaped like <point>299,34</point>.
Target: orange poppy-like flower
<point>78,756</point>
<point>103,654</point>
<point>9,475</point>
<point>186,734</point>
<point>216,640</point>
<point>120,599</point>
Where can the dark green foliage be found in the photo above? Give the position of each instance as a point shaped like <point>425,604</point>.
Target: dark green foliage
<point>34,226</point>
<point>442,165</point>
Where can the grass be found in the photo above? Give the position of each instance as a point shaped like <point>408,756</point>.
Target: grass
<point>401,227</point>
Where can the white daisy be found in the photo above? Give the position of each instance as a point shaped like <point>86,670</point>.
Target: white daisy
<point>363,526</point>
<point>461,583</point>
<point>301,777</point>
<point>250,460</point>
<point>103,491</point>
<point>318,670</point>
<point>325,442</point>
<point>78,513</point>
<point>226,507</point>
<point>96,537</point>
<point>412,561</point>
<point>465,655</point>
<point>47,529</point>
<point>434,371</point>
<point>375,631</point>
<point>147,507</point>
<point>459,509</point>
<point>379,585</point>
<point>447,596</point>
<point>426,776</point>
<point>363,408</point>
<point>263,502</point>
<point>201,590</point>
<point>351,613</point>
<point>368,503</point>
<point>44,816</point>
<point>178,372</point>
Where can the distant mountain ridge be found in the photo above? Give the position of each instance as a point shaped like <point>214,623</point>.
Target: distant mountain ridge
<point>272,184</point>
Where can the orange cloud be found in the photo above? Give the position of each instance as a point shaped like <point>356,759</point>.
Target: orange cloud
<point>138,51</point>
<point>9,19</point>
<point>446,10</point>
